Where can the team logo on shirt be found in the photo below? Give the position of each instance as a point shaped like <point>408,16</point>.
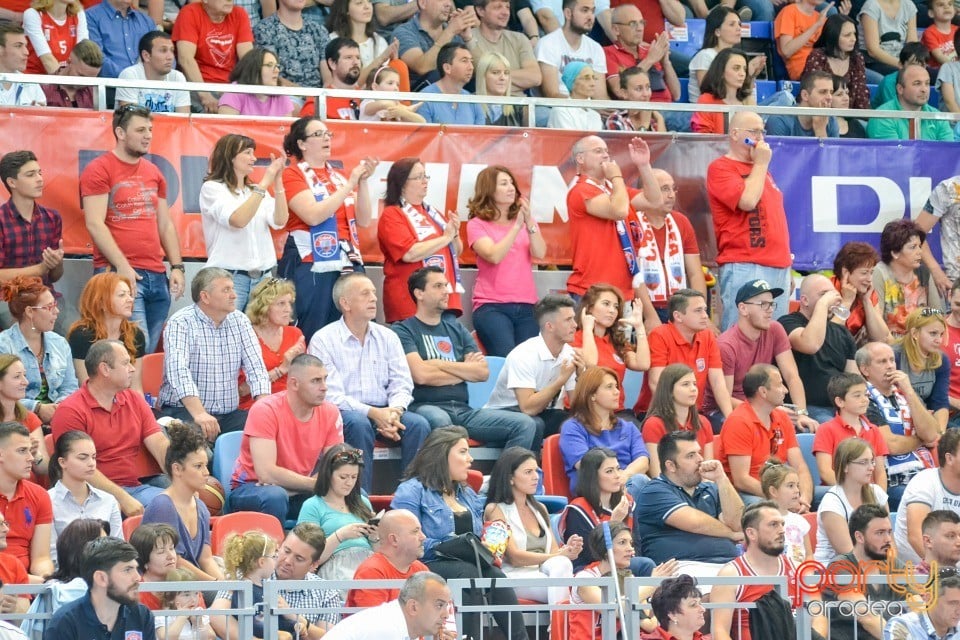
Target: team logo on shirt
<point>701,364</point>
<point>133,635</point>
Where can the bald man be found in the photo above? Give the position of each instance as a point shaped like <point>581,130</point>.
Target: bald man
<point>753,242</point>
<point>397,558</point>
<point>821,348</point>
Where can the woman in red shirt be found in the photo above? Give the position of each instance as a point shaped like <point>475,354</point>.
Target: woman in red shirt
<point>727,81</point>
<point>677,606</point>
<point>13,388</point>
<point>53,29</point>
<point>674,408</point>
<point>412,234</point>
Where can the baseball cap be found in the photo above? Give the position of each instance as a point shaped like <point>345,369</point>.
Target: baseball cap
<point>755,288</point>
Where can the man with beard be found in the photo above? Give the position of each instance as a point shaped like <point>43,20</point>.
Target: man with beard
<point>568,44</point>
<point>763,531</point>
<point>342,58</point>
<point>455,66</point>
<point>109,567</point>
<point>872,537</point>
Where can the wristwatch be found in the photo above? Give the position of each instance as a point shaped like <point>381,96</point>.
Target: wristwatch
<point>178,267</point>
<point>802,412</point>
<point>257,190</point>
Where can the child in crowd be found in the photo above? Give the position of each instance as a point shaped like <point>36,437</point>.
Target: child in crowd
<point>183,627</point>
<point>635,87</point>
<point>848,392</point>
<point>938,37</point>
<point>781,483</point>
<point>387,79</point>
<point>674,408</point>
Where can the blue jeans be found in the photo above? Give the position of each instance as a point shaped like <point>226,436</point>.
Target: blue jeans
<point>243,284</point>
<point>232,421</point>
<point>496,427</point>
<point>151,305</point>
<point>358,432</point>
<point>314,305</point>
<point>503,325</point>
<point>821,414</point>
<point>269,499</point>
<point>736,274</point>
<point>635,484</point>
<point>143,493</point>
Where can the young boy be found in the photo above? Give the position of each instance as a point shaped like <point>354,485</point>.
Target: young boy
<point>848,392</point>
<point>938,38</point>
<point>912,53</point>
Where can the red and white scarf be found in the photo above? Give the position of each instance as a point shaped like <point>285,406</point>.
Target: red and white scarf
<point>661,282</point>
<point>430,226</point>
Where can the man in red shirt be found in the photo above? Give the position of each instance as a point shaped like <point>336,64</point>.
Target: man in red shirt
<point>756,430</point>
<point>603,222</point>
<point>24,506</point>
<point>688,340</point>
<point>397,558</point>
<point>629,50</point>
<point>118,420</point>
<point>11,572</point>
<point>753,242</point>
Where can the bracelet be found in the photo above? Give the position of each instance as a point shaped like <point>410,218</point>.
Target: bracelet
<point>178,267</point>
<point>533,229</point>
<point>279,191</point>
<point>258,191</point>
<point>615,177</point>
<point>336,534</point>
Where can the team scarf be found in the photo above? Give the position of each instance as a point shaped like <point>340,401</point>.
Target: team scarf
<point>428,227</point>
<point>629,255</point>
<point>661,282</point>
<point>901,423</point>
<point>330,251</point>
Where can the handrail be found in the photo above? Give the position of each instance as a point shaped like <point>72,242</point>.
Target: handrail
<point>101,84</point>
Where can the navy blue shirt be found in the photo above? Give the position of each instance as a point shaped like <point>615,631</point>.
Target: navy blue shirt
<point>660,542</point>
<point>78,621</point>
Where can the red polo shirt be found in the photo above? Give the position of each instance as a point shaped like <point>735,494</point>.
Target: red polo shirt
<point>662,634</point>
<point>744,435</point>
<point>668,346</point>
<point>118,433</point>
<point>835,431</point>
<point>29,506</point>
<point>620,58</point>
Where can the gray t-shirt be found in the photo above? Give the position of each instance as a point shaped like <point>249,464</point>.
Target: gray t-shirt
<point>888,27</point>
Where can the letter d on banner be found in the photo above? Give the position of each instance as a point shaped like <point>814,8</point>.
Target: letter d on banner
<point>826,211</point>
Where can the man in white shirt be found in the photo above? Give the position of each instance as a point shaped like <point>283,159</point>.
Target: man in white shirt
<point>568,44</point>
<point>539,371</point>
<point>13,59</point>
<point>156,64</point>
<point>420,610</point>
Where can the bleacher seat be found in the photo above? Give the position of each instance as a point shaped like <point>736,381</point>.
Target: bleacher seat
<point>758,30</point>
<point>151,374</point>
<point>791,86</point>
<point>554,504</point>
<point>129,525</point>
<point>241,522</point>
<point>380,503</point>
<point>684,90</point>
<point>689,38</point>
<point>226,451</point>
<point>632,382</point>
<point>479,392</point>
<point>811,518</point>
<point>765,89</point>
<point>805,440</point>
<point>475,479</point>
<point>555,480</point>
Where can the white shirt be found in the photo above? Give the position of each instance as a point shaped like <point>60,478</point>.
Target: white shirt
<point>99,505</point>
<point>157,101</point>
<point>555,51</point>
<point>384,622</point>
<point>923,488</point>
<point>835,501</point>
<point>21,94</point>
<point>575,119</point>
<point>530,366</point>
<point>228,247</point>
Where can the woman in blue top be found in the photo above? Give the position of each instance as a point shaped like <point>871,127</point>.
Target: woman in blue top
<point>342,511</point>
<point>436,491</point>
<point>179,506</point>
<point>920,355</point>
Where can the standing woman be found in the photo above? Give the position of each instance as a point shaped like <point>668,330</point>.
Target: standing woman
<point>920,356</point>
<point>181,508</point>
<point>342,511</point>
<point>238,215</point>
<point>674,408</point>
<point>45,354</point>
<point>325,209</point>
<point>604,335</point>
<point>412,234</point>
<point>901,279</point>
<point>435,490</point>
<point>53,29</point>
<point>13,385</point>
<point>727,81</point>
<point>836,51</point>
<point>106,305</point>
<point>506,239</point>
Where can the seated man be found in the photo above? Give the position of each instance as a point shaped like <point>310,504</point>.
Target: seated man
<point>941,541</point>
<point>285,435</point>
<point>85,61</point>
<point>569,44</point>
<point>397,558</point>
<point>900,415</point>
<point>118,420</point>
<point>940,620</point>
<point>495,35</point>
<point>691,512</point>
<point>872,538</point>
<point>342,58</point>
<point>117,27</point>
<point>455,68</point>
<point>207,345</point>
<point>929,490</point>
<point>758,430</point>
<point>822,348</point>
<point>11,572</point>
<point>443,357</point>
<point>539,372</point>
<point>435,24</point>
<point>629,50</point>
<point>369,378</point>
<point>913,95</point>
<point>816,90</point>
<point>157,58</point>
<point>13,59</point>
<point>110,608</point>
<point>848,391</point>
<point>25,506</point>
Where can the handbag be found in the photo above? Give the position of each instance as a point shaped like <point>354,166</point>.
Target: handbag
<point>465,547</point>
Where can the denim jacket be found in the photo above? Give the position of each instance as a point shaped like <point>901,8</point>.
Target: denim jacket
<point>57,364</point>
<point>436,517</point>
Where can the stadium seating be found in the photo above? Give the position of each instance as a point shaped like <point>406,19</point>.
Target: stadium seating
<point>555,480</point>
<point>479,392</point>
<point>152,373</point>
<point>241,522</point>
<point>632,382</point>
<point>811,518</point>
<point>689,39</point>
<point>805,440</point>
<point>226,451</point>
<point>129,525</point>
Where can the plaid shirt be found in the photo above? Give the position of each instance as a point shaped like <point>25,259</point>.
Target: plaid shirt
<point>308,599</point>
<point>22,242</point>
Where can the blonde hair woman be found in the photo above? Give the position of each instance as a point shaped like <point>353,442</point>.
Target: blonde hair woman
<point>53,28</point>
<point>492,78</point>
<point>919,355</point>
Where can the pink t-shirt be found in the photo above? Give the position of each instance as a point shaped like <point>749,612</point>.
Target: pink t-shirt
<point>249,105</point>
<point>299,444</point>
<point>739,353</point>
<point>512,279</point>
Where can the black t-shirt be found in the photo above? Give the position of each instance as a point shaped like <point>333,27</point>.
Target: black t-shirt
<point>448,340</point>
<point>81,338</point>
<point>829,360</point>
<point>841,626</point>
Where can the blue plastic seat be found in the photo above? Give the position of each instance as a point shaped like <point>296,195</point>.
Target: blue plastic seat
<point>690,42</point>
<point>226,452</point>
<point>479,392</point>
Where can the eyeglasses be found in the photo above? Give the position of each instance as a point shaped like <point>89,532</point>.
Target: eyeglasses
<point>349,456</point>
<point>926,312</point>
<point>272,65</point>
<point>870,462</point>
<point>766,305</point>
<point>46,307</point>
<point>633,24</point>
<point>754,132</point>
<point>323,133</point>
<point>424,178</point>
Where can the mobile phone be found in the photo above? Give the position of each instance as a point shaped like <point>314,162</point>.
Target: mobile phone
<point>375,520</point>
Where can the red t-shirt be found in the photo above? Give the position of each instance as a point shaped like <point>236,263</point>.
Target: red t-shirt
<point>668,346</point>
<point>688,241</point>
<point>118,433</point>
<point>337,108</point>
<point>654,430</point>
<point>294,182</point>
<point>833,432</point>
<point>377,567</point>
<point>933,40</point>
<point>299,444</point>
<point>135,191</point>
<point>952,349</point>
<point>273,359</point>
<point>396,236</point>
<point>597,253</point>
<point>11,571</point>
<point>703,122</point>
<point>744,435</point>
<point>607,356</point>
<point>760,236</point>
<point>216,42</point>
<point>61,38</point>
<point>29,507</point>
